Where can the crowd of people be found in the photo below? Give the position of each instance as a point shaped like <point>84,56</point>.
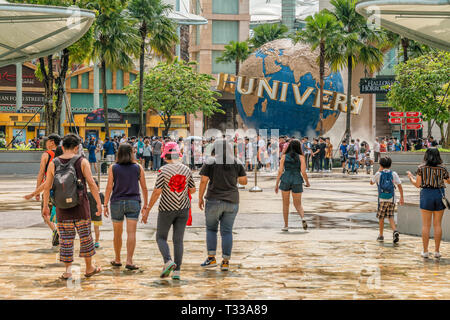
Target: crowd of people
<point>68,207</point>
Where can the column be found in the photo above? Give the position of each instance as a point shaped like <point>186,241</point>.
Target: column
<point>96,86</point>
<point>19,81</point>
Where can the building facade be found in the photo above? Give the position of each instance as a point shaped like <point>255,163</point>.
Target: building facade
<point>227,21</point>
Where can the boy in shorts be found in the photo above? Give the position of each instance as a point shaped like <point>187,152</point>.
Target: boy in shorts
<point>96,220</point>
<point>386,181</point>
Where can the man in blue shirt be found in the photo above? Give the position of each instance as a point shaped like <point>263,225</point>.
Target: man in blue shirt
<point>344,154</point>
<point>108,146</point>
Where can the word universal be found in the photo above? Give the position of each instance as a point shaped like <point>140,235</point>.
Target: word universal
<point>332,100</point>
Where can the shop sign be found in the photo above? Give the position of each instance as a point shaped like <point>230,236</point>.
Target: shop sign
<point>28,99</point>
<point>8,77</point>
<point>98,116</point>
<point>375,85</point>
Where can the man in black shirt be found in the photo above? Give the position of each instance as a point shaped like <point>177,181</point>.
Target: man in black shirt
<point>322,148</point>
<point>315,150</point>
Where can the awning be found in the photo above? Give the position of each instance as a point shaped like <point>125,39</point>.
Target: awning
<point>186,18</point>
<point>427,21</point>
<point>31,31</point>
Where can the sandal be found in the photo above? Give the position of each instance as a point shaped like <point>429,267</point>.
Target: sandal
<point>115,264</point>
<point>132,267</point>
<point>96,270</point>
<point>64,278</point>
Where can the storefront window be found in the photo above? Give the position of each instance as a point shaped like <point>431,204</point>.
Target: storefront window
<point>74,82</point>
<point>119,80</point>
<point>85,80</point>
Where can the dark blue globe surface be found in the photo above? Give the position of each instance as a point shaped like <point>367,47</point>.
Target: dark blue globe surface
<point>288,117</point>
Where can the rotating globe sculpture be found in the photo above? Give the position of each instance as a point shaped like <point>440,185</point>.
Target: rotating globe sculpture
<point>294,71</point>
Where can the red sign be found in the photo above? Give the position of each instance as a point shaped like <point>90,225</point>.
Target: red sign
<point>395,120</point>
<point>396,114</point>
<point>414,126</point>
<point>414,120</point>
<point>413,114</point>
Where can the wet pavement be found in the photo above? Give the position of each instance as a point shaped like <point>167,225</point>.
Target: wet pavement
<point>336,258</point>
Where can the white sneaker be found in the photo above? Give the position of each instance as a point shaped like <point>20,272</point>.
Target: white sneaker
<point>425,255</point>
<point>176,275</point>
<point>285,229</point>
<point>437,255</point>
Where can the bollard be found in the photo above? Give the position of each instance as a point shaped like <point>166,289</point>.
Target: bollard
<point>256,188</point>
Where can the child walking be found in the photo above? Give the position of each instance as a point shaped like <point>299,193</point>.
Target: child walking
<point>386,181</point>
<point>96,220</point>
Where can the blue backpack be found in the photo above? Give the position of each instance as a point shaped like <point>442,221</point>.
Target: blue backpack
<point>386,187</point>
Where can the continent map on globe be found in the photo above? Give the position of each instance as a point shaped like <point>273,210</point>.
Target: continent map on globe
<point>282,61</point>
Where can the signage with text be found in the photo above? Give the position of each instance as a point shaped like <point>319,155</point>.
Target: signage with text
<point>98,116</point>
<point>28,99</point>
<point>414,126</point>
<point>374,85</point>
<point>8,77</point>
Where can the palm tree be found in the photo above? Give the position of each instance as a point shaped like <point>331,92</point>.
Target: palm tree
<point>267,32</point>
<point>161,34</point>
<point>320,30</point>
<point>116,41</point>
<point>235,52</point>
<point>357,44</point>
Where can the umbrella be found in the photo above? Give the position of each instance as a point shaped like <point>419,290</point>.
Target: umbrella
<point>31,31</point>
<point>196,138</point>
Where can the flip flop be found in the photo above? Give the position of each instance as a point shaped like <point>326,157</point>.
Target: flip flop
<point>64,278</point>
<point>132,267</point>
<point>96,270</point>
<point>115,264</point>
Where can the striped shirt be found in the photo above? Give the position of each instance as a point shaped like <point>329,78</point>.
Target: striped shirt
<point>174,179</point>
<point>432,177</point>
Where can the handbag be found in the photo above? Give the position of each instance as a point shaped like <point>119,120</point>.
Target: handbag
<point>445,200</point>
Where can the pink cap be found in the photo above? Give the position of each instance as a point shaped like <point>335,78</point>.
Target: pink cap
<point>172,148</point>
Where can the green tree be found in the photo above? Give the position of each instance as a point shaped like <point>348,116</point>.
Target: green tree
<point>409,48</point>
<point>116,41</point>
<point>174,88</point>
<point>320,31</point>
<point>267,32</point>
<point>422,85</point>
<point>64,61</point>
<point>357,45</point>
<point>157,32</point>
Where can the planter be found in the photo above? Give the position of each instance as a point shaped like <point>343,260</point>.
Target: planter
<point>409,161</point>
<point>20,162</point>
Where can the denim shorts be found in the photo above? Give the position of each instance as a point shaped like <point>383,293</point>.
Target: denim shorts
<point>431,199</point>
<point>125,208</point>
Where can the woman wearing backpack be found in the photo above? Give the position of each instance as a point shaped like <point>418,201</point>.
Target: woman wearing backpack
<point>72,209</point>
<point>292,173</point>
<point>122,190</point>
<point>431,177</point>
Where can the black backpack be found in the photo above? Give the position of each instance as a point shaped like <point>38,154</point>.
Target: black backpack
<point>66,184</point>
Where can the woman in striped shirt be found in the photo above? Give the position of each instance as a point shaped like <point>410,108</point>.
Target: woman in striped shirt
<point>431,178</point>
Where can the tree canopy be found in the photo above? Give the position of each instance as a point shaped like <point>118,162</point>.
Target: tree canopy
<point>175,89</point>
<point>421,85</point>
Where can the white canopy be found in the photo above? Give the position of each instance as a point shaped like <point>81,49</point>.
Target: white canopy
<point>427,21</point>
<point>31,31</point>
<point>262,11</point>
<point>186,18</point>
<point>181,14</point>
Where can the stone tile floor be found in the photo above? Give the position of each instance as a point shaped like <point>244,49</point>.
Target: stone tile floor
<point>337,258</point>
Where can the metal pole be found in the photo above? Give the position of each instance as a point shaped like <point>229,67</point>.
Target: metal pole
<point>256,188</point>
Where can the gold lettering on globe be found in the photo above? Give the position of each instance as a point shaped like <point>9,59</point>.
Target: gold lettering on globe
<point>278,92</point>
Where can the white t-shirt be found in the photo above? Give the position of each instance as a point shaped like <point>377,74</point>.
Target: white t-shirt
<point>396,179</point>
<point>376,147</point>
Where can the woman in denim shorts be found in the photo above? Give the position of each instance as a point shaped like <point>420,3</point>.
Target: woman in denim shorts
<point>124,179</point>
<point>431,178</point>
<point>292,173</point>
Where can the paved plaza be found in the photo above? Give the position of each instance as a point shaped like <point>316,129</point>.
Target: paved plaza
<point>337,258</point>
